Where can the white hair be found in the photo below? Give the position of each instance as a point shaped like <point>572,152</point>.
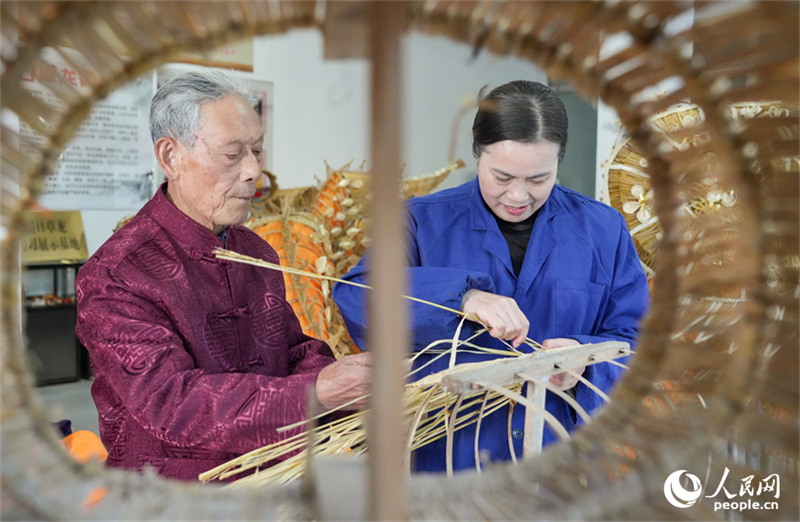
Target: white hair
<point>175,112</point>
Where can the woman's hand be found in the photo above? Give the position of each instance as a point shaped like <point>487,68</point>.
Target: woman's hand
<point>563,380</point>
<point>499,313</point>
<point>345,380</point>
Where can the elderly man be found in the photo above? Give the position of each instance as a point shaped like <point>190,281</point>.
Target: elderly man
<point>198,360</point>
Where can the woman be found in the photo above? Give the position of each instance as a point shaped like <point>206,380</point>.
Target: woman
<point>528,257</point>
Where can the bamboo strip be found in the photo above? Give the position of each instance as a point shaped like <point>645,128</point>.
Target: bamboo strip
<point>561,393</point>
<point>509,435</point>
<point>481,414</point>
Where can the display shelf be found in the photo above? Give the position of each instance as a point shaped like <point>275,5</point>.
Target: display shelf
<point>55,354</point>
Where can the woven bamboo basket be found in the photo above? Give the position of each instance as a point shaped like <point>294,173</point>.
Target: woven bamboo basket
<point>745,368</point>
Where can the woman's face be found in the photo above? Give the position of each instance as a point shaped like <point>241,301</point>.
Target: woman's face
<point>517,178</point>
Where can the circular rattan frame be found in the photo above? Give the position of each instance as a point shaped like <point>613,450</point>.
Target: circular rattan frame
<point>742,361</point>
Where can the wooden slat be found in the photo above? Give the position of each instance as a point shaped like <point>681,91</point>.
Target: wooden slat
<point>387,335</point>
<point>537,364</point>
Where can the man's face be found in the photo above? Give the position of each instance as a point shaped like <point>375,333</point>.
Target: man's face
<point>517,178</point>
<point>214,181</point>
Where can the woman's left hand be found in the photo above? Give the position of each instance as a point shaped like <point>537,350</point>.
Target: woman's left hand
<point>563,380</point>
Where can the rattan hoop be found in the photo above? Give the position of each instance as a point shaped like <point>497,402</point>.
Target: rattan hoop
<point>743,365</point>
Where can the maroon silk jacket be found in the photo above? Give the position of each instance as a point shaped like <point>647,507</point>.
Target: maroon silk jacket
<point>196,360</point>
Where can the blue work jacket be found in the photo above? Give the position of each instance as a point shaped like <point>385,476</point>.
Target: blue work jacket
<point>581,279</point>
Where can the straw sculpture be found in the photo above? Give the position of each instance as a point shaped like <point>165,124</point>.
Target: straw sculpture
<point>421,185</point>
<point>627,179</point>
<point>283,201</point>
<point>342,201</point>
<point>324,230</point>
<point>302,241</point>
<point>628,189</point>
<point>741,439</point>
<point>340,206</point>
<point>270,185</point>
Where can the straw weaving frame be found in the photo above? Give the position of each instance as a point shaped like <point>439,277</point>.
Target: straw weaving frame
<point>742,361</point>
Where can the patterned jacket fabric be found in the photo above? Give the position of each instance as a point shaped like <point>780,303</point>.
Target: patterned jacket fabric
<point>196,360</point>
<point>581,279</point>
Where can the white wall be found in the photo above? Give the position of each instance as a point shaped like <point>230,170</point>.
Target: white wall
<point>440,78</point>
<point>321,110</point>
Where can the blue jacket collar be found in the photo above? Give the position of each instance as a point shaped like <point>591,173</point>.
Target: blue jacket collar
<point>543,238</point>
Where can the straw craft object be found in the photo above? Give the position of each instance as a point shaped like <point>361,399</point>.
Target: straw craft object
<point>303,242</point>
<point>324,230</point>
<point>434,406</point>
<point>627,177</point>
<point>431,412</point>
<point>421,185</point>
<point>340,203</point>
<point>744,365</point>
<point>283,201</point>
<point>628,180</point>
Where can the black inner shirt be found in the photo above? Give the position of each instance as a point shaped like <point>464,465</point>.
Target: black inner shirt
<point>517,236</point>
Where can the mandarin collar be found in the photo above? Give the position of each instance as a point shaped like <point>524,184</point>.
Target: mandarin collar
<point>185,229</point>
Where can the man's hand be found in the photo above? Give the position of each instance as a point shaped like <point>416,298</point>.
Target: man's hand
<point>345,380</point>
<point>501,314</point>
<point>563,380</point>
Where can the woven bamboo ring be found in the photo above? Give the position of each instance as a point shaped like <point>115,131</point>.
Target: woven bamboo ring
<point>741,363</point>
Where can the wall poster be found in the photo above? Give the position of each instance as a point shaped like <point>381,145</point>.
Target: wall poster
<point>108,164</point>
